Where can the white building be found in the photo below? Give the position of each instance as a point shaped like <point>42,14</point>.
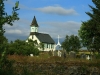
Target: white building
<point>46,39</point>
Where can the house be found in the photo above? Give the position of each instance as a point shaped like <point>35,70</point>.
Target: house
<point>46,39</point>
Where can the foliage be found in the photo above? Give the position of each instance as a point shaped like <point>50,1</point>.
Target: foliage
<point>23,48</point>
<point>41,46</point>
<point>71,43</point>
<point>97,56</point>
<point>6,19</point>
<point>5,65</point>
<point>90,30</point>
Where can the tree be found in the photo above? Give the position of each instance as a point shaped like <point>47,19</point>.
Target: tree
<point>90,30</point>
<point>71,43</point>
<point>5,65</point>
<point>32,47</point>
<point>6,19</point>
<point>65,44</point>
<point>41,46</point>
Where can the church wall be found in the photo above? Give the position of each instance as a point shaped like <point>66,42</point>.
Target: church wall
<point>33,37</point>
<point>49,47</point>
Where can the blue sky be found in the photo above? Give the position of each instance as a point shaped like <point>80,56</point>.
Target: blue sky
<point>55,17</point>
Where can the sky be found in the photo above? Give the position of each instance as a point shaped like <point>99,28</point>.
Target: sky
<point>54,17</point>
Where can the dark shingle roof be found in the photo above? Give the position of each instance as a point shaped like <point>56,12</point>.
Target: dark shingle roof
<point>44,38</point>
<point>34,22</point>
<point>33,33</point>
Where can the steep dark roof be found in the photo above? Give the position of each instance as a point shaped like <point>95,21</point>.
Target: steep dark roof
<point>33,33</point>
<point>44,38</point>
<point>34,22</point>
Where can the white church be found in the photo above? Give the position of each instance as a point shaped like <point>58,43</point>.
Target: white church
<point>49,43</point>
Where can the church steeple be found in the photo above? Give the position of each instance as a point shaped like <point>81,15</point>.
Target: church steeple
<point>34,22</point>
<point>58,41</point>
<point>34,25</point>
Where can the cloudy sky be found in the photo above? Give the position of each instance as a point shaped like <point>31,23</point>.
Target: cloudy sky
<point>54,17</point>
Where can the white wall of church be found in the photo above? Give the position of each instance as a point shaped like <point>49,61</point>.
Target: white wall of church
<point>47,47</point>
<point>33,37</point>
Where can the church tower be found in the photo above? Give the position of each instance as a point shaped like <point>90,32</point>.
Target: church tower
<point>58,41</point>
<point>34,26</point>
<point>58,45</point>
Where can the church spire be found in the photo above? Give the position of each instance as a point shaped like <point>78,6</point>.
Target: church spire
<point>34,22</point>
<point>58,41</point>
<point>34,26</point>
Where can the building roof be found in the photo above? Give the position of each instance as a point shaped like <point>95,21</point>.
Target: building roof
<point>34,22</point>
<point>44,38</point>
<point>33,33</point>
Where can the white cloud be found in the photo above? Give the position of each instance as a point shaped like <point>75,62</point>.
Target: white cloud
<point>15,31</point>
<point>20,28</point>
<point>57,10</point>
<point>60,28</point>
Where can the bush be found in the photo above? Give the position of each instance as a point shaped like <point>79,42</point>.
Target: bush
<point>22,48</point>
<point>6,67</point>
<point>97,56</point>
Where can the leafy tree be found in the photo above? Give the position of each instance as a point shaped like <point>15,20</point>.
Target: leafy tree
<point>90,30</point>
<point>71,43</point>
<point>74,43</point>
<point>5,67</point>
<point>65,44</point>
<point>41,46</point>
<point>32,47</point>
<point>6,19</point>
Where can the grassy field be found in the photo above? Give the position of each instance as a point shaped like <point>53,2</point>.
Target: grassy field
<point>46,58</point>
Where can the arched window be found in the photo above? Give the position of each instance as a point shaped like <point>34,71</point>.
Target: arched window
<point>32,29</point>
<point>35,29</point>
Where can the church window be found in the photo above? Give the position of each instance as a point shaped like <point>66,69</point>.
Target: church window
<point>47,45</point>
<point>32,36</point>
<point>35,29</point>
<point>32,29</point>
<point>51,45</point>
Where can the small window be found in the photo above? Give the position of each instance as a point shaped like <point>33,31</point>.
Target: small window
<point>33,29</point>
<point>51,45</point>
<point>47,45</point>
<point>32,36</point>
